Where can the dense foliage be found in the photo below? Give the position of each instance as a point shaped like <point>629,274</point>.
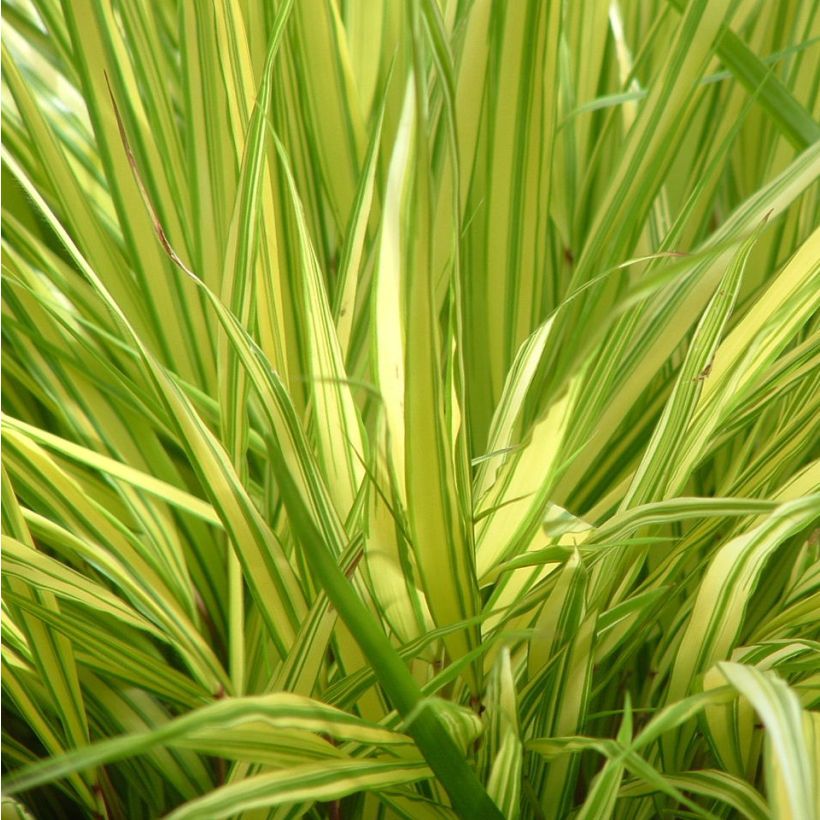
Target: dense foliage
<point>410,409</point>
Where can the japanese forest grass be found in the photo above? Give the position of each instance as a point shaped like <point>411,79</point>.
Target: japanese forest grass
<point>410,409</point>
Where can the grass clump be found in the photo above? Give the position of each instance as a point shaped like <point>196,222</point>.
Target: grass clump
<point>410,409</point>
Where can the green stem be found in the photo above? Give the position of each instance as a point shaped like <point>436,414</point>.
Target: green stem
<point>468,796</point>
<point>796,124</point>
